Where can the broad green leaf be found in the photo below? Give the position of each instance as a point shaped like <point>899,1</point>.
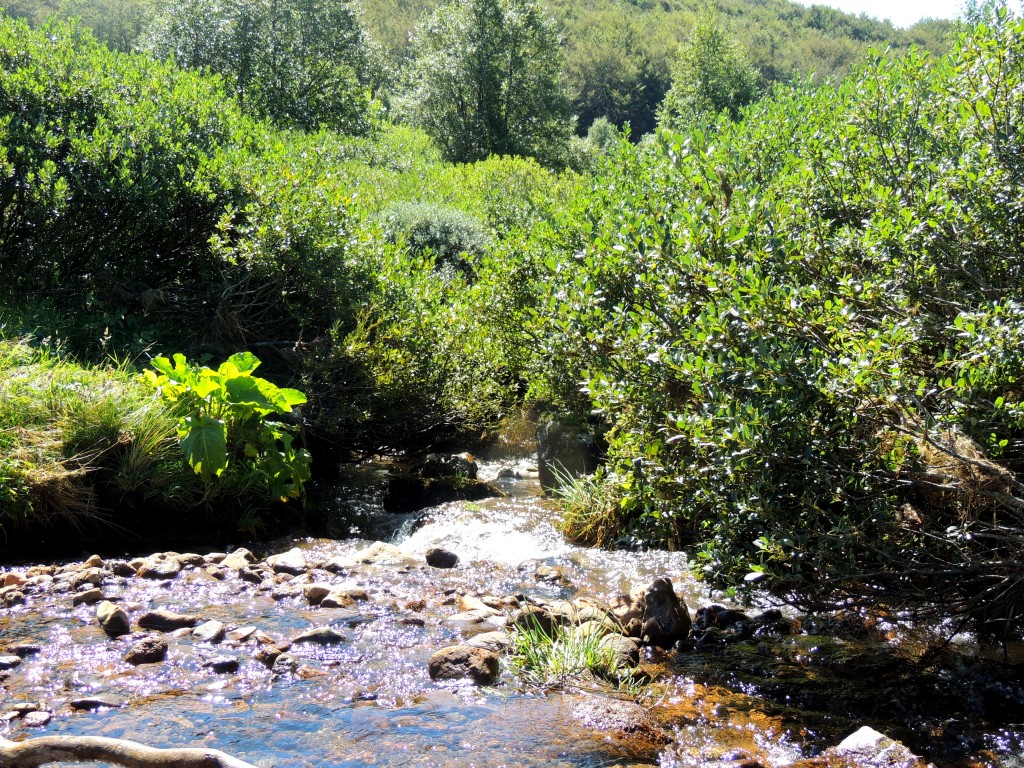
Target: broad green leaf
<point>204,442</point>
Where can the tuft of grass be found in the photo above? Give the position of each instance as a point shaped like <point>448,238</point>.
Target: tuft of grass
<point>590,513</point>
<point>567,658</point>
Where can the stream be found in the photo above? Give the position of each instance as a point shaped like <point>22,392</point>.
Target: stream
<point>369,701</point>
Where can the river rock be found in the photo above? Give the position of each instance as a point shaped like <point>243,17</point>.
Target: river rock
<point>337,598</point>
<point>320,636</point>
<point>445,465</point>
<point>211,631</point>
<point>567,447</point>
<point>12,596</point>
<point>91,576</point>
<point>9,662</point>
<point>625,649</point>
<point>293,561</point>
<point>92,703</point>
<point>238,559</point>
<point>159,566</point>
<point>315,593</point>
<point>163,620</point>
<point>37,719</point>
<point>24,650</point>
<point>268,654</point>
<point>240,635</point>
<point>441,558</point>
<point>868,747</point>
<point>533,618</point>
<point>459,662</point>
<point>621,718</point>
<point>88,597</point>
<point>499,642</point>
<point>149,650</point>
<point>13,579</point>
<point>379,553</point>
<point>113,619</point>
<point>122,568</point>
<point>95,561</point>
<point>222,665</point>
<point>666,619</point>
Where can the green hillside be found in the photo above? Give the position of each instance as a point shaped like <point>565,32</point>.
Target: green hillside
<point>618,55</point>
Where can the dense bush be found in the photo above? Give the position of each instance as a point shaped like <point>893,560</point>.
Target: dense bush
<point>110,165</point>
<point>803,332</point>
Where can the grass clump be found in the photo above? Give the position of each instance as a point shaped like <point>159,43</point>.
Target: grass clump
<point>568,657</point>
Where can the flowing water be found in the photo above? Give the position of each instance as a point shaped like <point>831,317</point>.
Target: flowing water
<point>369,701</point>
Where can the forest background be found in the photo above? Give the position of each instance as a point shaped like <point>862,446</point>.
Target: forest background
<point>785,299</point>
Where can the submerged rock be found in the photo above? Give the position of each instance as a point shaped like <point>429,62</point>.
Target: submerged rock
<point>866,748</point>
<point>320,636</point>
<point>459,662</point>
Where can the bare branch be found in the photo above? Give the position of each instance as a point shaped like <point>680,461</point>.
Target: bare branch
<point>130,754</point>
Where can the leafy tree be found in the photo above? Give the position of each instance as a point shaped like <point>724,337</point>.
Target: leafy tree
<point>617,67</point>
<point>711,76</point>
<point>486,81</point>
<point>301,63</point>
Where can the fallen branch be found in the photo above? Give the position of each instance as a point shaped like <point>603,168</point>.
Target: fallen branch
<point>82,749</point>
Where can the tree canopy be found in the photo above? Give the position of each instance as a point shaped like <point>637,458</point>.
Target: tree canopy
<point>711,75</point>
<point>301,63</point>
<point>485,80</point>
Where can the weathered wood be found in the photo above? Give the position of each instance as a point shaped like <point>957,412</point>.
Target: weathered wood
<point>83,749</point>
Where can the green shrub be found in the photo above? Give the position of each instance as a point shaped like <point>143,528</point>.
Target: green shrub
<point>223,417</point>
<point>802,330</point>
<point>453,237</point>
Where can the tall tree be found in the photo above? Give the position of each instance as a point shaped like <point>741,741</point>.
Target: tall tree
<point>711,76</point>
<point>485,81</point>
<point>301,63</point>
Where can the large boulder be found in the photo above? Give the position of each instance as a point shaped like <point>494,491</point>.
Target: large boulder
<point>666,619</point>
<point>567,447</point>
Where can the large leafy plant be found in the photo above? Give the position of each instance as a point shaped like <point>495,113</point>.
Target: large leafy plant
<point>225,415</point>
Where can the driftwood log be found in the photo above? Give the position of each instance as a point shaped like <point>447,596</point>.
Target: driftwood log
<point>84,749</point>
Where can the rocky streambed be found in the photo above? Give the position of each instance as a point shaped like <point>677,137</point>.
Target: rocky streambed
<point>392,650</point>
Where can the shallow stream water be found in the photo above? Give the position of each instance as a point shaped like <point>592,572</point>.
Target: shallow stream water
<point>369,701</point>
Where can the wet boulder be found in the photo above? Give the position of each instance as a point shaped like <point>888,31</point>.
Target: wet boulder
<point>292,562</point>
<point>238,559</point>
<point>567,447</point>
<point>437,479</point>
<point>461,662</point>
<point>163,620</point>
<point>437,557</point>
<point>445,465</point>
<point>113,619</point>
<point>149,650</point>
<point>159,566</point>
<point>866,748</point>
<point>211,631</point>
<point>666,619</point>
<point>624,650</point>
<point>320,636</point>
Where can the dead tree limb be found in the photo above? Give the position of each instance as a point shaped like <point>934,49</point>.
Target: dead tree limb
<point>82,749</point>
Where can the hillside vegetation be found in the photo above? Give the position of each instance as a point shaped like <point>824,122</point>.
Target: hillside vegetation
<point>618,56</point>
<point>798,321</point>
